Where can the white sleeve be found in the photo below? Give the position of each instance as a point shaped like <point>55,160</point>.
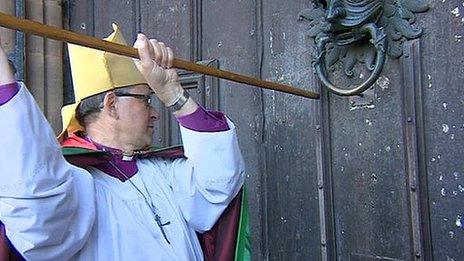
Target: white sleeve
<point>46,204</point>
<point>209,178</point>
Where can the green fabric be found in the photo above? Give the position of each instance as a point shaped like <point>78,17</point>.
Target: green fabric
<point>72,151</point>
<point>243,248</point>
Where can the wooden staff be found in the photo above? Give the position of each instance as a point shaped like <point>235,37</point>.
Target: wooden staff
<point>59,34</point>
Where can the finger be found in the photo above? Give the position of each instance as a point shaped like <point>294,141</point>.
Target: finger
<point>170,57</point>
<point>157,53</point>
<point>164,57</point>
<point>143,50</point>
<point>150,47</point>
<point>137,46</point>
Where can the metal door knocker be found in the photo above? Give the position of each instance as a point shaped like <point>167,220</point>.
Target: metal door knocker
<point>360,30</point>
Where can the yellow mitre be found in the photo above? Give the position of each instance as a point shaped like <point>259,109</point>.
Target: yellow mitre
<point>93,72</point>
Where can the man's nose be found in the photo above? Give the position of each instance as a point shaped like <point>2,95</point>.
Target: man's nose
<point>154,114</point>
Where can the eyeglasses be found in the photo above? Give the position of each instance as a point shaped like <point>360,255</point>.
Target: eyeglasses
<point>148,98</point>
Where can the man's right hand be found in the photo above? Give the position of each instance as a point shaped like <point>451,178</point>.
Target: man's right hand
<point>6,74</point>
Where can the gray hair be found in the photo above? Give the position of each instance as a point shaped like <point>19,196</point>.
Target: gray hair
<point>89,108</point>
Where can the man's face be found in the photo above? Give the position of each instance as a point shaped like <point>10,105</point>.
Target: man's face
<point>135,117</point>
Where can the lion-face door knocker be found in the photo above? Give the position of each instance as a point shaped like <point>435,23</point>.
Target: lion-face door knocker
<point>347,24</point>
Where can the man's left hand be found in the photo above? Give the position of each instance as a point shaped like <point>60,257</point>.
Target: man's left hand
<point>155,65</point>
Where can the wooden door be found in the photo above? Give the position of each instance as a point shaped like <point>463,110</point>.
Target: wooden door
<point>336,178</point>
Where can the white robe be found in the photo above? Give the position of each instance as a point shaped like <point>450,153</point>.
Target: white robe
<point>53,210</point>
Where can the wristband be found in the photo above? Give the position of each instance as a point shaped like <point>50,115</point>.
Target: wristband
<point>179,102</point>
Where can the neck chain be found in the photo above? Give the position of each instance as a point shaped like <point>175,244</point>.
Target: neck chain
<point>149,203</point>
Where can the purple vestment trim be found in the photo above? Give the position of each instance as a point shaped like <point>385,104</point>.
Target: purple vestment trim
<point>202,120</point>
<point>128,167</point>
<point>8,91</point>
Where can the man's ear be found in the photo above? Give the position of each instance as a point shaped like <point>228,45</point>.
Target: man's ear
<point>110,103</point>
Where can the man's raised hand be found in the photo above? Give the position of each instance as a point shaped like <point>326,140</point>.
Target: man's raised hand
<point>155,65</point>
